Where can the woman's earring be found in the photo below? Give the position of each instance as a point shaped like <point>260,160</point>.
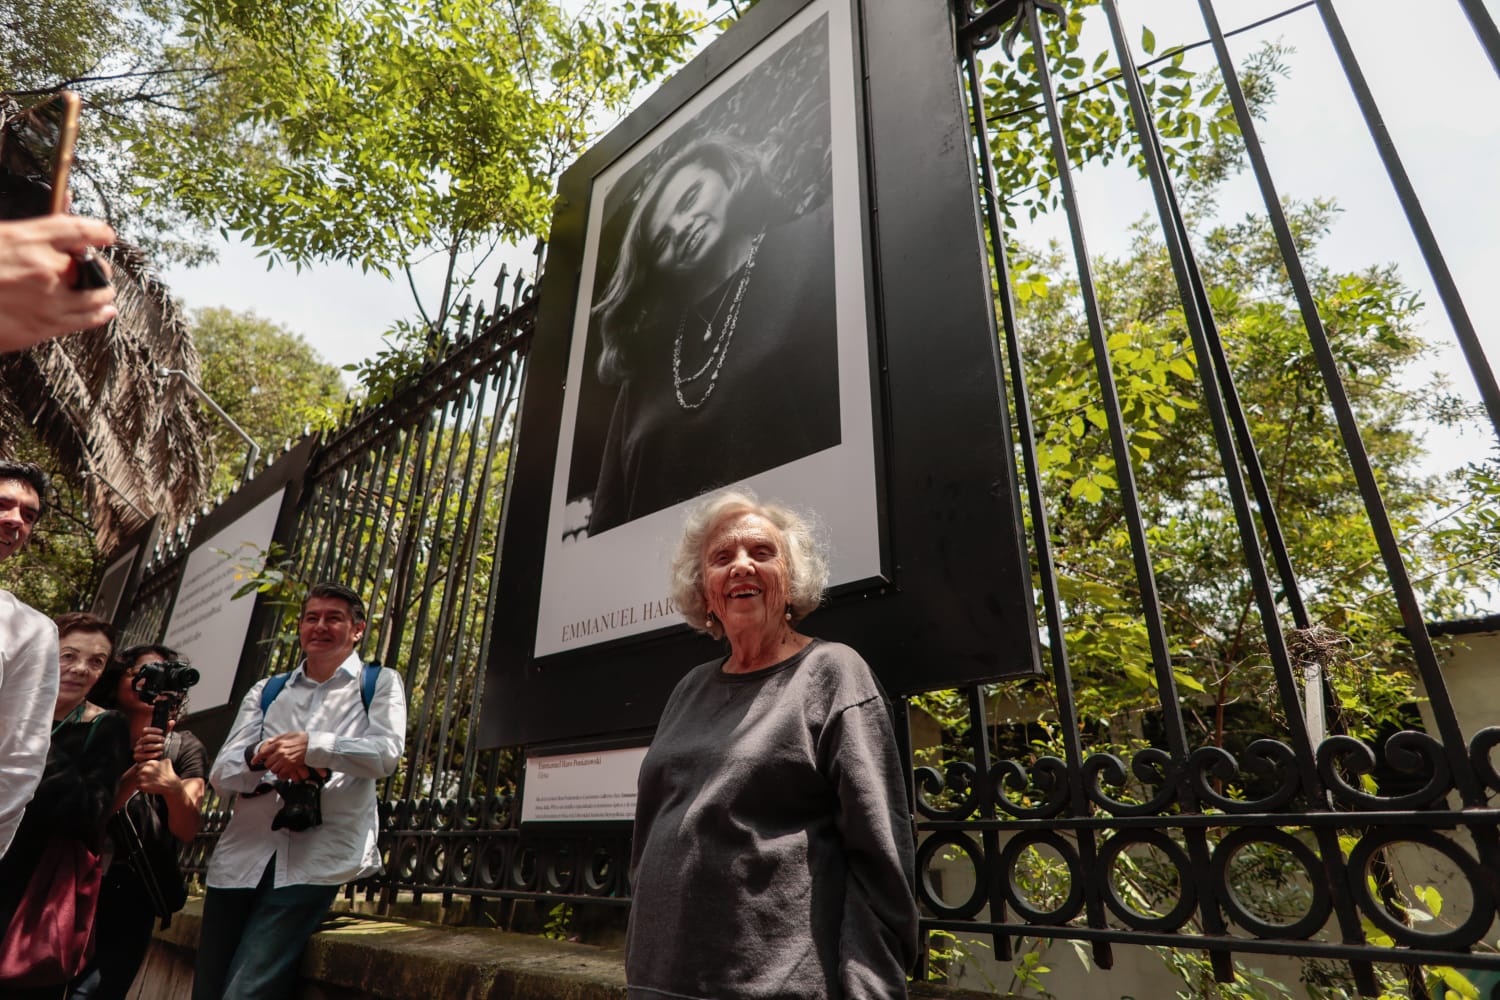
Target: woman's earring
<point>788,612</point>
<point>708,620</point>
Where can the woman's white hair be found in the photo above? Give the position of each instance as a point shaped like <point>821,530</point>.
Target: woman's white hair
<point>804,549</point>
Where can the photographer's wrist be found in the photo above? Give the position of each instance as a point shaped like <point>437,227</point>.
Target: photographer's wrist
<point>250,752</point>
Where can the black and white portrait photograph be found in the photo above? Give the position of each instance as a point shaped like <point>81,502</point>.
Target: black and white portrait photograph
<point>720,334</point>
<point>712,348</point>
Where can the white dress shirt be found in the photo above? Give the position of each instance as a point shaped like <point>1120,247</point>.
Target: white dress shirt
<point>28,694</point>
<point>358,748</point>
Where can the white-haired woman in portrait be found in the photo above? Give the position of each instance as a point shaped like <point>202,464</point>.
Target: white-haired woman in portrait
<point>773,840</point>
<point>718,330</point>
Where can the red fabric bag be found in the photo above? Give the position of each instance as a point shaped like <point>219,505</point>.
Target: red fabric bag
<point>50,938</point>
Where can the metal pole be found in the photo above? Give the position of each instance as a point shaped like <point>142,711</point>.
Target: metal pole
<point>253,455</point>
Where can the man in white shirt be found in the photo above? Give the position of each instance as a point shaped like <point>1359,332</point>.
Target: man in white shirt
<point>28,656</point>
<point>272,877</point>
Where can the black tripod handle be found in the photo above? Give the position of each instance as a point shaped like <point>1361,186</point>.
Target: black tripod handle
<point>161,714</point>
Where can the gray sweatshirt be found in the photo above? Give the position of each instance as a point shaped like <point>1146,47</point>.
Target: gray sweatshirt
<point>773,845</point>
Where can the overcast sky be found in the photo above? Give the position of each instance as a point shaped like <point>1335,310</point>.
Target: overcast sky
<point>1434,85</point>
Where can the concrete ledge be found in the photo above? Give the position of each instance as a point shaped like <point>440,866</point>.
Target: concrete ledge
<point>356,957</point>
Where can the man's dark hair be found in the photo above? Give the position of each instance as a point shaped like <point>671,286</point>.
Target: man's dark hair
<point>82,621</point>
<point>29,473</point>
<point>106,690</point>
<point>339,592</point>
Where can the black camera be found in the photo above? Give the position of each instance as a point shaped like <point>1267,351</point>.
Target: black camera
<point>163,677</point>
<point>301,804</point>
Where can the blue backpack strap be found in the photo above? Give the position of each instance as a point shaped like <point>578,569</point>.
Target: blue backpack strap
<point>271,690</point>
<point>367,680</point>
<point>268,694</point>
<point>368,676</point>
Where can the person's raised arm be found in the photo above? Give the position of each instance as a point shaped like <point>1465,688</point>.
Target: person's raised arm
<point>182,793</point>
<point>37,270</point>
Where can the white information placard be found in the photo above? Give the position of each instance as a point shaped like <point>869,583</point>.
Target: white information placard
<point>208,624</point>
<point>582,786</point>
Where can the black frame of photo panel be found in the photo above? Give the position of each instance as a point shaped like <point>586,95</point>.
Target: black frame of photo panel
<point>940,594</point>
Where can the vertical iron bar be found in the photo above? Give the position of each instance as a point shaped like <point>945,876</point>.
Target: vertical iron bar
<point>430,578</point>
<point>1062,674</point>
<point>1484,29</point>
<point>1203,332</point>
<point>374,519</point>
<point>335,485</point>
<point>427,432</point>
<point>460,668</point>
<point>440,649</point>
<point>366,467</point>
<point>407,544</point>
<point>1437,266</point>
<point>509,378</point>
<point>984,799</point>
<point>391,478</point>
<point>1249,455</point>
<point>471,654</point>
<point>1125,474</point>
<point>338,549</point>
<point>306,551</point>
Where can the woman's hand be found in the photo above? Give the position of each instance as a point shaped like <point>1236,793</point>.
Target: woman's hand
<point>152,744</point>
<point>128,786</point>
<point>157,777</point>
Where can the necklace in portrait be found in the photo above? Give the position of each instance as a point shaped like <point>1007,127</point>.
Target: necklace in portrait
<point>720,349</point>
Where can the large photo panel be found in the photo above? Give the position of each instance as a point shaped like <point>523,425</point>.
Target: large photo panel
<point>720,335</point>
<point>772,272</point>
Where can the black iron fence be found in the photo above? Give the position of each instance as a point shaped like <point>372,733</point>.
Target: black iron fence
<point>1207,810</point>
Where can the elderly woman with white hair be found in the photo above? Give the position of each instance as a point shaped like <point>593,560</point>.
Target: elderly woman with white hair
<point>773,838</point>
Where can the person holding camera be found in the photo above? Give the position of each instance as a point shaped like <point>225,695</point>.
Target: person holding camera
<point>157,810</point>
<point>303,756</point>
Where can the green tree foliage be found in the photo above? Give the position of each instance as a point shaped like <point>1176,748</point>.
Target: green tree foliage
<point>1199,136</point>
<point>376,133</point>
<point>1217,643</point>
<point>384,132</point>
<point>118,54</point>
<point>269,379</point>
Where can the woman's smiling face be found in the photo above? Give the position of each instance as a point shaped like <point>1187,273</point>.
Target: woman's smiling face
<point>745,575</point>
<point>689,219</point>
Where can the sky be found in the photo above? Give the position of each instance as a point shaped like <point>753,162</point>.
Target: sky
<point>1435,87</point>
